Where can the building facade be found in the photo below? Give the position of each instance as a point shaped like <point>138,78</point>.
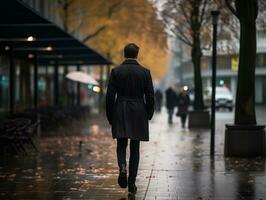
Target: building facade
<point>227,66</point>
<point>45,8</point>
<point>23,95</point>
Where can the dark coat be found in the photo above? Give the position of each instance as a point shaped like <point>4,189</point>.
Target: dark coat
<point>171,98</point>
<point>182,104</point>
<point>158,96</point>
<point>130,101</point>
<point>158,100</point>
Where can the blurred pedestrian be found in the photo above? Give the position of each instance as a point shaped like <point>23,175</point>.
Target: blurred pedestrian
<point>171,99</point>
<point>158,100</point>
<point>183,102</point>
<point>128,112</point>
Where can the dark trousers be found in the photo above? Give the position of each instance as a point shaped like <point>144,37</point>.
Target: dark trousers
<point>133,159</point>
<point>183,119</point>
<point>158,106</point>
<point>170,116</point>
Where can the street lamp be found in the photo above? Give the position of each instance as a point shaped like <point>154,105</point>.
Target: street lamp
<point>215,16</point>
<point>31,38</point>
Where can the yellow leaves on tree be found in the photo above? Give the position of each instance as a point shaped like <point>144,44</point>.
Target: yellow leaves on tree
<point>109,25</point>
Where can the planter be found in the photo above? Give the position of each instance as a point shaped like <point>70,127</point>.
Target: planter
<point>244,140</point>
<point>199,119</point>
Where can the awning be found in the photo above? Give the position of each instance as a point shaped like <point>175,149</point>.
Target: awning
<point>24,34</point>
<point>30,34</point>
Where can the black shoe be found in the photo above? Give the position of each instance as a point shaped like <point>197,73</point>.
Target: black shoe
<point>122,178</point>
<point>132,188</point>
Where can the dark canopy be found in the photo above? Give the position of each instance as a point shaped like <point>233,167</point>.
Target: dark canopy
<point>50,43</point>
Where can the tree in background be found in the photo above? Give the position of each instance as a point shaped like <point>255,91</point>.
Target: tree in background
<point>109,25</point>
<point>246,12</point>
<point>261,20</point>
<point>189,20</point>
<point>74,14</point>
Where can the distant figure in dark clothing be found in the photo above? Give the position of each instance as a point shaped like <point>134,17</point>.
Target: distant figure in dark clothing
<point>129,107</point>
<point>158,100</point>
<point>183,102</point>
<point>171,99</point>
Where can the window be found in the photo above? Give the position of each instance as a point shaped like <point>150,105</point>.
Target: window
<point>261,60</point>
<point>4,86</point>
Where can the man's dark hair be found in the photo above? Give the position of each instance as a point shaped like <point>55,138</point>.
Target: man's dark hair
<point>131,51</point>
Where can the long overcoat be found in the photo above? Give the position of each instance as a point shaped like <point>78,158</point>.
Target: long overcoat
<point>171,98</point>
<point>130,101</point>
<point>182,104</point>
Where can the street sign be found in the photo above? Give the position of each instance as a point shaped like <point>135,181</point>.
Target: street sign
<point>234,63</point>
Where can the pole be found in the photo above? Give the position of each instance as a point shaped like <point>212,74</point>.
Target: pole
<point>36,94</point>
<point>101,91</point>
<point>214,53</point>
<point>35,82</point>
<point>11,81</point>
<point>108,69</point>
<point>78,87</point>
<point>56,90</point>
<point>65,86</point>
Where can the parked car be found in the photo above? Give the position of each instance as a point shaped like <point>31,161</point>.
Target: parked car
<point>223,98</point>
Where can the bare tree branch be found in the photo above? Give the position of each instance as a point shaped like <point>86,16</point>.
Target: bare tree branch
<point>113,8</point>
<point>65,7</point>
<point>231,8</point>
<point>184,40</point>
<point>81,23</point>
<point>203,11</point>
<point>185,13</point>
<point>97,32</point>
<point>179,33</point>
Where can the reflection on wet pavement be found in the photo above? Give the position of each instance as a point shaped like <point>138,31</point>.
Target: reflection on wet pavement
<point>175,164</point>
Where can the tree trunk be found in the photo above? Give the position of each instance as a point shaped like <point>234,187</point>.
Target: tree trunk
<point>245,97</point>
<point>196,59</point>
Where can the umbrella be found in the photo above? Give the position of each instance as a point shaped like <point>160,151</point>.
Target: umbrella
<point>81,77</point>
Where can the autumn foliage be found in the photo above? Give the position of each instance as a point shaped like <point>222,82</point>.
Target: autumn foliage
<point>109,25</point>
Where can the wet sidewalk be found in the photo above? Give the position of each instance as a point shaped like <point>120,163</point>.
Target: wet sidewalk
<point>175,164</point>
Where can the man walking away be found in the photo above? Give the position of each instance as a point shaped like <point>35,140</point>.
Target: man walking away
<point>171,99</point>
<point>129,107</point>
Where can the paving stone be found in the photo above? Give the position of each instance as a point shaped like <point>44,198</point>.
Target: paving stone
<point>175,164</point>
